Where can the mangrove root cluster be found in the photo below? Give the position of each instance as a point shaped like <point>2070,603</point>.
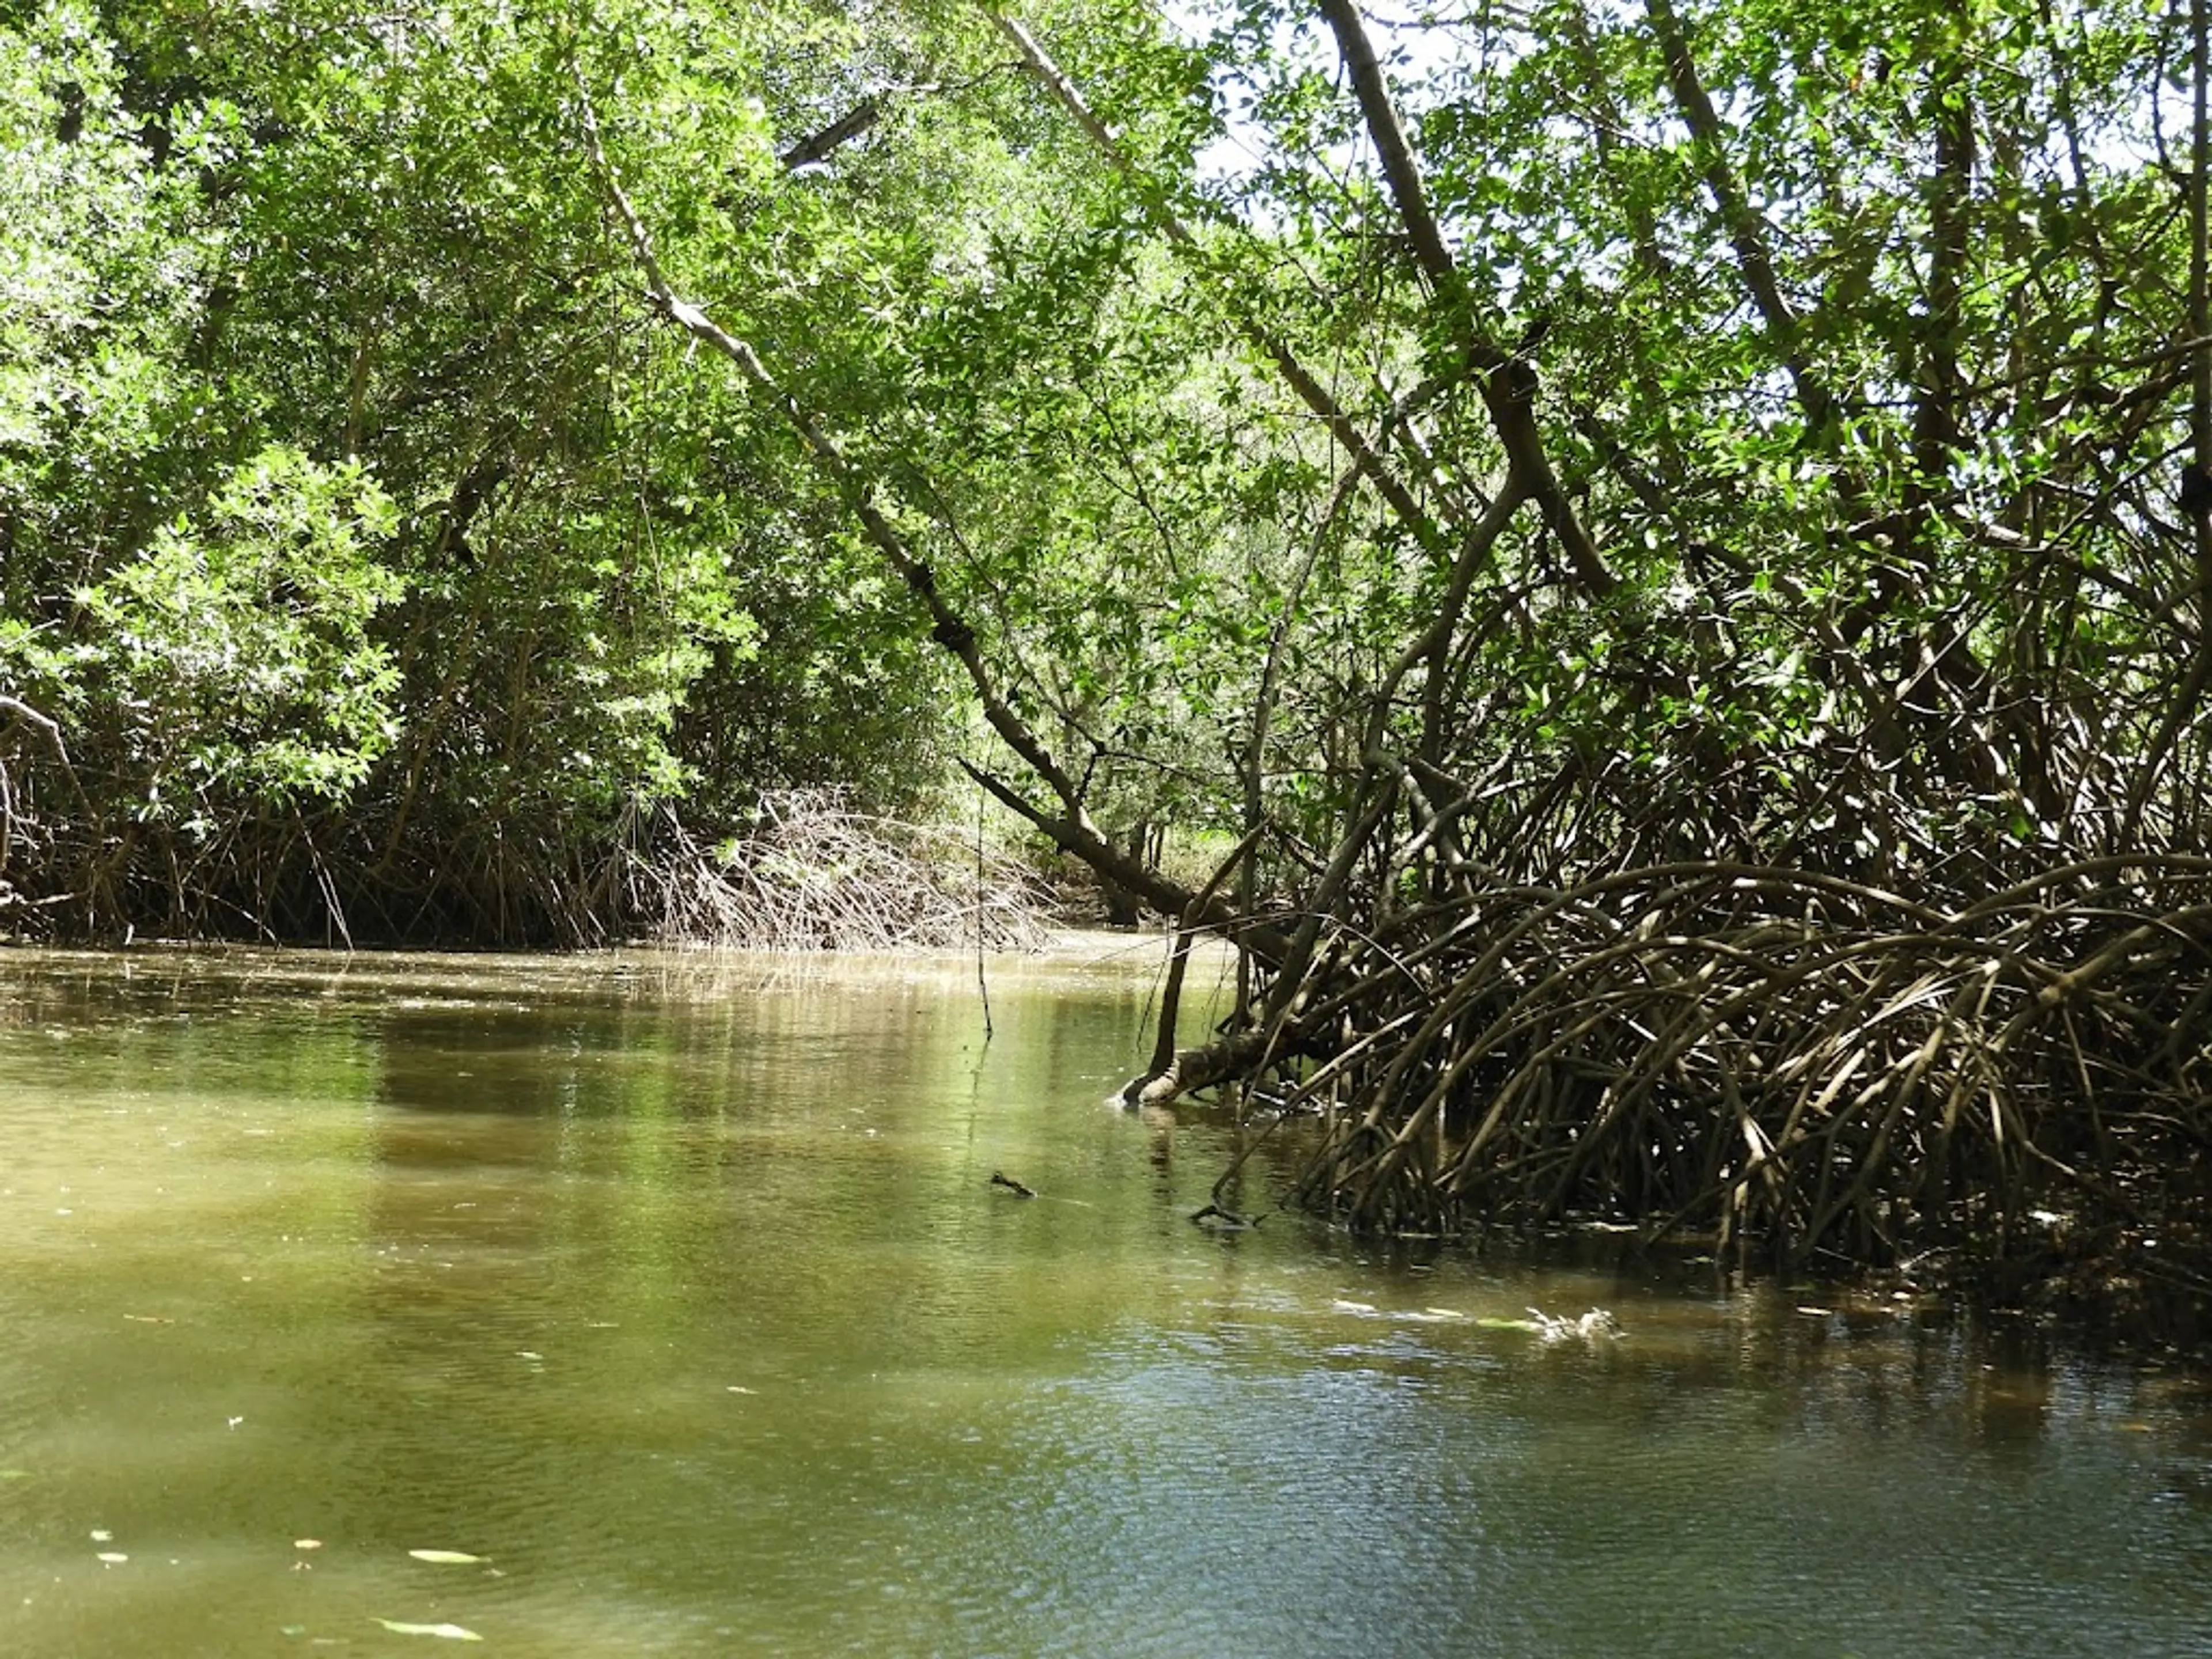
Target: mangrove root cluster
<point>817,876</point>
<point>1805,1066</point>
<point>1777,1056</point>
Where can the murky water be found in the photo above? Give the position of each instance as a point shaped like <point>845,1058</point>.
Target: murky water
<point>678,1296</point>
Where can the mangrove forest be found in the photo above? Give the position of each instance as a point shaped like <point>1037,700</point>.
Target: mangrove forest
<point>1645,564</point>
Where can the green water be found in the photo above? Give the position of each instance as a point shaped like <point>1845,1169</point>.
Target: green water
<point>675,1289</point>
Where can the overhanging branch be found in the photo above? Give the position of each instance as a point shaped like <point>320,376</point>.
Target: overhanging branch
<point>1072,828</point>
<point>1508,380</point>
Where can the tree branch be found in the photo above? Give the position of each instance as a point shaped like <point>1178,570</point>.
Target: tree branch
<point>1746,231</point>
<point>1348,433</point>
<point>1073,829</point>
<point>1508,381</point>
<point>820,146</point>
<point>51,729</point>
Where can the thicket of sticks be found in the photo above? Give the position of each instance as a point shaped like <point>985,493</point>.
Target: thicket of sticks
<point>1822,1067</point>
<point>1996,1060</point>
<point>816,875</point>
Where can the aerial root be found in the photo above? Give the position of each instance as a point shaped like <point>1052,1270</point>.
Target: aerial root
<point>1778,1061</point>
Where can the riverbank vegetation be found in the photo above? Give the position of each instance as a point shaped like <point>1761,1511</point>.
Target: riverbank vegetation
<point>816,876</point>
<point>1671,546</point>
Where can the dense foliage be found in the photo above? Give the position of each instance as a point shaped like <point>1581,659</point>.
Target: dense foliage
<point>366,563</point>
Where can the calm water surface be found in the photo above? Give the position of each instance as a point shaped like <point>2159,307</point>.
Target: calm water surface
<point>675,1291</point>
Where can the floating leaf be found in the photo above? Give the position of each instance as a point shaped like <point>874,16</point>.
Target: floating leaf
<point>451,1633</point>
<point>446,1558</point>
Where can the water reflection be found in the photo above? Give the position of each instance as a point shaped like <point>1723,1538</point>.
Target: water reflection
<point>677,1290</point>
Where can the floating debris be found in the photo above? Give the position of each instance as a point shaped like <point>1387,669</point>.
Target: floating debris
<point>451,1632</point>
<point>1591,1326</point>
<point>999,1178</point>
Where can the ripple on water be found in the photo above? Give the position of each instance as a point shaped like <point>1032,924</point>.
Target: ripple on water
<point>686,1304</point>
